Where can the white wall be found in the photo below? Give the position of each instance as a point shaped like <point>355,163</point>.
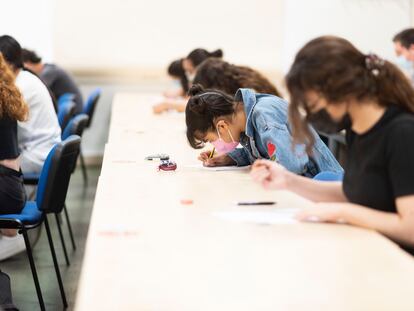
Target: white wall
<point>142,33</point>
<point>31,23</point>
<point>369,24</point>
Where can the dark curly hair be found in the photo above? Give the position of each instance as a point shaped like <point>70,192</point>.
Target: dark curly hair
<point>215,73</point>
<point>12,104</point>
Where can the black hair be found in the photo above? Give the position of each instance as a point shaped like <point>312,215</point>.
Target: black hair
<point>176,69</point>
<point>12,51</point>
<point>30,56</point>
<point>405,37</point>
<point>197,56</point>
<point>203,107</point>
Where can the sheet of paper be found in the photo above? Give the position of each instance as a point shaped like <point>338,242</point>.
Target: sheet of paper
<point>279,216</point>
<point>218,168</point>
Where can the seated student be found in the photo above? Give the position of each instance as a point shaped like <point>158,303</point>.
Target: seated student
<point>215,73</point>
<point>375,102</point>
<point>12,109</point>
<point>175,99</point>
<point>402,52</point>
<point>41,131</point>
<point>189,65</point>
<point>258,122</point>
<point>176,71</point>
<point>56,79</point>
<point>195,58</point>
<point>35,136</point>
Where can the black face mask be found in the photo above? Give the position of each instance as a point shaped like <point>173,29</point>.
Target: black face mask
<point>322,122</point>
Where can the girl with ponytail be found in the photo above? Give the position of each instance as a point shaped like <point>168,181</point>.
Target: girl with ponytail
<point>176,71</point>
<point>258,122</point>
<point>196,57</point>
<point>187,68</point>
<point>338,87</point>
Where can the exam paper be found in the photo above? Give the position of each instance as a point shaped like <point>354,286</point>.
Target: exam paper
<point>218,168</point>
<point>276,216</point>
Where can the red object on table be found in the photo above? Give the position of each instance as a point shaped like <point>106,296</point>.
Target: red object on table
<point>167,166</point>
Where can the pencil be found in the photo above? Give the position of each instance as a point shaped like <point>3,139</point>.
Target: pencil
<point>212,153</point>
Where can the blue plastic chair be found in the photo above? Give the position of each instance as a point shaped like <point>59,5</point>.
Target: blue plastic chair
<point>65,98</point>
<point>329,176</point>
<point>65,112</point>
<point>76,126</point>
<point>89,109</point>
<point>51,194</point>
<point>74,129</point>
<point>90,105</point>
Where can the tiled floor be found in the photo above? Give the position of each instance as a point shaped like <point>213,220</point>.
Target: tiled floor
<point>79,203</point>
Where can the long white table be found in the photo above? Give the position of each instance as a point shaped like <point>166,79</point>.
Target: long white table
<point>146,250</point>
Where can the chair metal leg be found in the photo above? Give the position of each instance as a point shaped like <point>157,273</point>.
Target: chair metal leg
<point>33,268</point>
<point>83,166</point>
<point>62,239</point>
<point>55,262</point>
<point>69,227</point>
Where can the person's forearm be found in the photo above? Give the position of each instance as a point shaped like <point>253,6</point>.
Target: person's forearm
<point>179,107</point>
<point>317,191</point>
<point>389,224</point>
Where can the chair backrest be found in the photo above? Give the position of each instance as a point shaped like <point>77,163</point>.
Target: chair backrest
<point>75,126</point>
<point>65,112</point>
<point>55,176</point>
<point>65,98</point>
<point>90,104</point>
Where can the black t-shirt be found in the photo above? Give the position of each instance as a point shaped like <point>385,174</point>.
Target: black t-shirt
<point>380,162</point>
<point>8,139</point>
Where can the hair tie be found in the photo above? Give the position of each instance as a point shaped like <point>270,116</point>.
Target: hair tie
<point>374,63</point>
<point>210,93</point>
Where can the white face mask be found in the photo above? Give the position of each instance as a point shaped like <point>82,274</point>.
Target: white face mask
<point>404,64</point>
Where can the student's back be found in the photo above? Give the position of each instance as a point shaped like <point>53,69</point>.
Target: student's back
<point>41,131</point>
<point>57,80</point>
<point>60,82</point>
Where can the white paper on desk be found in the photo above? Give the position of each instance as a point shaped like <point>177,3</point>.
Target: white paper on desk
<point>218,168</point>
<point>279,216</point>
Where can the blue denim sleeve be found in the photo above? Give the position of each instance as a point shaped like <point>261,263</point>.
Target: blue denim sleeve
<point>240,156</point>
<point>324,157</point>
<point>293,159</point>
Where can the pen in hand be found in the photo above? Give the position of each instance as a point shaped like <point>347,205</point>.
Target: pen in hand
<point>212,153</point>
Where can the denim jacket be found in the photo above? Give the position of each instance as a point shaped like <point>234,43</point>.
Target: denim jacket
<point>268,130</point>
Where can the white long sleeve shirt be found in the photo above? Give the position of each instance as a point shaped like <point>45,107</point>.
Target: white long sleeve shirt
<point>41,131</point>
